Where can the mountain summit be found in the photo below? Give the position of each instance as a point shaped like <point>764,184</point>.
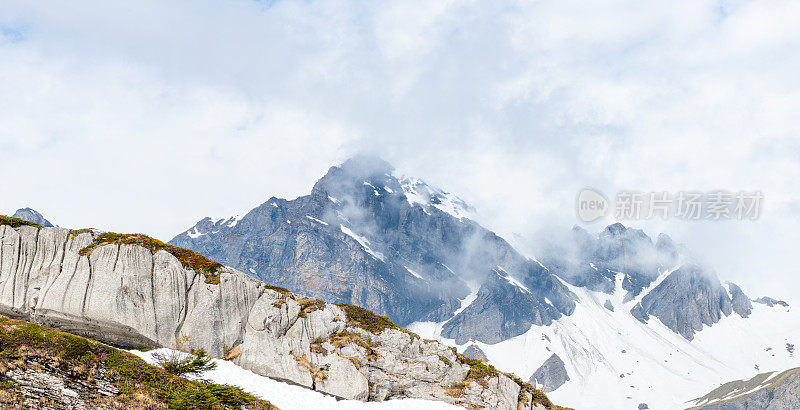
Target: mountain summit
<point>31,215</point>
<point>392,244</point>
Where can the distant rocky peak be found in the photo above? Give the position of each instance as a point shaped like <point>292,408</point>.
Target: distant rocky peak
<point>356,178</point>
<point>665,243</point>
<point>366,165</point>
<point>614,229</point>
<point>208,225</point>
<point>766,300</point>
<point>31,215</point>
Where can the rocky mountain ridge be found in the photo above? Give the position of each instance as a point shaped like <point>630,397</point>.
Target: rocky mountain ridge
<point>391,244</point>
<point>136,295</point>
<point>399,247</point>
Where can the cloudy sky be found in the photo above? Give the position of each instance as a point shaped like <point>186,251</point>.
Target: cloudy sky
<point>146,118</point>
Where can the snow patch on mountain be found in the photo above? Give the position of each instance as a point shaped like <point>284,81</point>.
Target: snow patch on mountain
<point>232,221</point>
<point>505,275</point>
<point>474,287</point>
<point>364,242</point>
<point>316,220</point>
<point>415,274</point>
<point>418,192</point>
<point>194,233</point>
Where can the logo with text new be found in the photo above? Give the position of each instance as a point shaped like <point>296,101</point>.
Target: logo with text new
<point>591,205</point>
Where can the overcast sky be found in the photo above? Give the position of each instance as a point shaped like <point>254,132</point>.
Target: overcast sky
<point>147,118</point>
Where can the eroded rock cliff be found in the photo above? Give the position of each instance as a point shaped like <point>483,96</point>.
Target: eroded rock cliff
<point>132,295</point>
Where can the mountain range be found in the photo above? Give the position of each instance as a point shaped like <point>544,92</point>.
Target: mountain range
<point>617,315</point>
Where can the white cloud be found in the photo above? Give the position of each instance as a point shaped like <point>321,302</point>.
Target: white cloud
<point>148,118</point>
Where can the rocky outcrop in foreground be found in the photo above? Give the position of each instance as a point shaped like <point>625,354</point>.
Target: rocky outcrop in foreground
<point>44,369</point>
<point>135,291</point>
<point>765,391</point>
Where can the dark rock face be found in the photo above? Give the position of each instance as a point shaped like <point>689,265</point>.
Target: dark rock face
<point>504,309</point>
<point>395,246</point>
<point>766,300</point>
<point>550,375</point>
<point>608,305</point>
<point>687,299</point>
<point>31,215</point>
<point>739,301</point>
<point>475,352</point>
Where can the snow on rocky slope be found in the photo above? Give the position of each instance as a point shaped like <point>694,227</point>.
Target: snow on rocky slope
<point>615,361</point>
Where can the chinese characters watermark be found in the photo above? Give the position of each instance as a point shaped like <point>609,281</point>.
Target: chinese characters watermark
<point>688,205</point>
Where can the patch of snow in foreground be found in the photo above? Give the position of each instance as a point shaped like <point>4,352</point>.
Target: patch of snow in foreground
<point>289,396</point>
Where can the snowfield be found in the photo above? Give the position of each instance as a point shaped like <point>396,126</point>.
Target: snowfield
<point>615,361</point>
<point>290,396</point>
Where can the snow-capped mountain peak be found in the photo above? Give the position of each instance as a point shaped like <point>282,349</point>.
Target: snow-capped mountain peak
<point>419,192</point>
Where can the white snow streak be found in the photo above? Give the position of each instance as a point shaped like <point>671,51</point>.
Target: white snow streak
<point>363,242</point>
<point>316,220</point>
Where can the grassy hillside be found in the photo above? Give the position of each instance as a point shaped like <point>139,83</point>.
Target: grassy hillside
<point>97,374</point>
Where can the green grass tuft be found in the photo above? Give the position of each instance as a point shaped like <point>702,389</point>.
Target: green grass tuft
<point>189,259</point>
<point>365,319</point>
<point>16,222</point>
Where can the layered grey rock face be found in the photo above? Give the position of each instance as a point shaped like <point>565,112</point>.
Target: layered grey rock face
<point>127,295</point>
<point>764,391</point>
<point>550,375</point>
<point>395,246</point>
<point>31,215</point>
